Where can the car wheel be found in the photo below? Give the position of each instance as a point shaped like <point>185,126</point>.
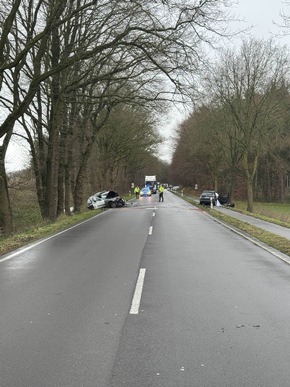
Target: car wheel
<point>112,204</point>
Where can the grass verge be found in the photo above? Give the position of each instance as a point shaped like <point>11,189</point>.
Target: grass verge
<point>42,230</point>
<point>28,214</point>
<point>275,241</point>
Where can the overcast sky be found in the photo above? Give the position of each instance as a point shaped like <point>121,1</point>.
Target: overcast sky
<point>262,15</point>
<point>262,18</point>
<point>258,14</point>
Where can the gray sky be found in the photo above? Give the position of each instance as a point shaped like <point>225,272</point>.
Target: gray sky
<point>262,20</point>
<point>258,14</point>
<point>261,14</point>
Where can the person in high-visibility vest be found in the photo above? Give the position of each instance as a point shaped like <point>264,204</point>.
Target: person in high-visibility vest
<point>137,191</point>
<point>161,190</point>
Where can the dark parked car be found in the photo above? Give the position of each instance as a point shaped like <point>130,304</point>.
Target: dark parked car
<point>207,197</point>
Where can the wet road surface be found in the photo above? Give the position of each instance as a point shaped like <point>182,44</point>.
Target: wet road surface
<point>213,308</point>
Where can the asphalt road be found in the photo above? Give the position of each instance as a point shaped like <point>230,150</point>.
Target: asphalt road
<point>212,309</point>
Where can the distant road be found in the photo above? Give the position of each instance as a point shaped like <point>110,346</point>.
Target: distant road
<point>155,294</point>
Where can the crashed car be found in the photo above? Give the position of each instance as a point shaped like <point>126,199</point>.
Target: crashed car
<point>95,202</point>
<point>102,199</point>
<point>111,199</point>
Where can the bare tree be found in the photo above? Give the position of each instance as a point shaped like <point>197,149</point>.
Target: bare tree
<point>41,40</point>
<point>247,85</point>
<point>124,143</point>
<point>201,146</point>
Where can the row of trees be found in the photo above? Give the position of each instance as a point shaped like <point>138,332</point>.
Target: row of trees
<point>241,128</point>
<point>124,151</point>
<point>67,65</point>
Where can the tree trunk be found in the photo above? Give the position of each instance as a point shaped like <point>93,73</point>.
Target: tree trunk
<point>6,218</point>
<point>67,191</point>
<point>53,159</point>
<point>60,189</point>
<point>250,171</point>
<point>55,125</point>
<point>38,157</point>
<point>282,187</point>
<point>232,187</point>
<point>38,161</point>
<point>80,180</point>
<point>250,195</point>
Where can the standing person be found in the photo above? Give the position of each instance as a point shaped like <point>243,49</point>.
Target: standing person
<point>137,191</point>
<point>161,190</point>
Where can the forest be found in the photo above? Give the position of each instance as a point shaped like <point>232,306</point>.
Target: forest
<point>237,138</point>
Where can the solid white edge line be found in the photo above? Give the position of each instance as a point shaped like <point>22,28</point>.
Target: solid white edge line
<point>34,244</point>
<point>138,292</point>
<point>255,241</point>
